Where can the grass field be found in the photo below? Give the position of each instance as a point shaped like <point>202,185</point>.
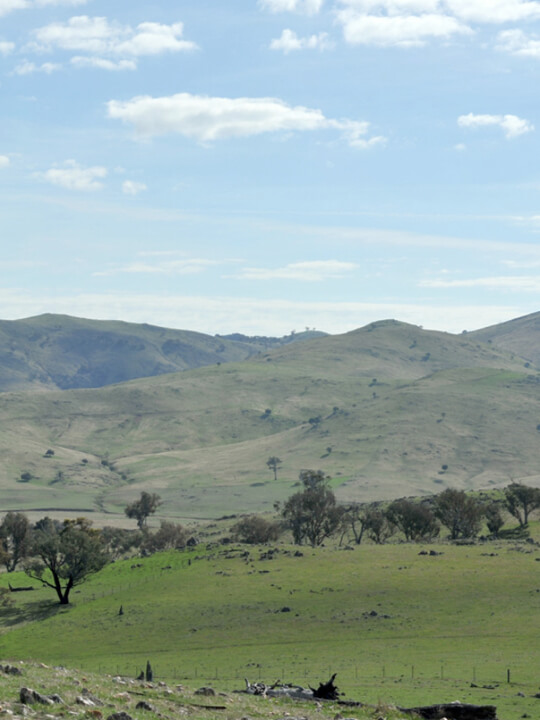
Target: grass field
<point>396,626</point>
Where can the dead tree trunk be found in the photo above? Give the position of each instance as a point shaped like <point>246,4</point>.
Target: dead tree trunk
<point>327,691</point>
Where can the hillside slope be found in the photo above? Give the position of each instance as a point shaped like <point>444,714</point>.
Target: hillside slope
<point>62,352</point>
<point>520,336</point>
<point>386,410</point>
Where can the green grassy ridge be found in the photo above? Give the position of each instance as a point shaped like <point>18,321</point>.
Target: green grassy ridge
<point>471,612</point>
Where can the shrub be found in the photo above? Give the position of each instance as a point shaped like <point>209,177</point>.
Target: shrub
<point>255,530</point>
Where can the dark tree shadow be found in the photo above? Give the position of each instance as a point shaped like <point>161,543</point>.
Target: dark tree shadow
<point>28,612</point>
<point>516,533</point>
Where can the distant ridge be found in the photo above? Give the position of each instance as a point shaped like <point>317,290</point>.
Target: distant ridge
<point>51,352</point>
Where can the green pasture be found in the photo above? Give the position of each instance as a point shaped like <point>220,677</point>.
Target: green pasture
<point>397,626</point>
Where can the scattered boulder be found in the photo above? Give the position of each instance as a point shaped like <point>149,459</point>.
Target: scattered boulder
<point>143,705</point>
<point>120,716</point>
<point>10,670</point>
<point>206,691</point>
<point>29,697</point>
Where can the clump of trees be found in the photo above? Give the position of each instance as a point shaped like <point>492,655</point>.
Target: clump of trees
<point>415,520</point>
<point>460,513</point>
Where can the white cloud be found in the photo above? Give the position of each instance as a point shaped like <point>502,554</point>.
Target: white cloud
<point>520,283</point>
<point>103,63</point>
<point>74,177</point>
<point>4,161</point>
<point>95,35</point>
<point>130,187</point>
<point>512,125</point>
<point>6,47</point>
<point>308,271</point>
<point>398,30</point>
<point>494,11</point>
<point>516,42</point>
<point>473,11</point>
<point>42,3</point>
<point>163,264</point>
<point>7,6</point>
<point>28,68</point>
<point>305,7</point>
<point>207,119</point>
<point>409,23</point>
<point>290,41</point>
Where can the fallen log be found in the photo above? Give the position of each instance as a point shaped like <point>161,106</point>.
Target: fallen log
<point>19,589</point>
<point>329,691</point>
<point>454,711</point>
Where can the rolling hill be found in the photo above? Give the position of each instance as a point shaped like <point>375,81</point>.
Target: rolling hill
<point>59,352</point>
<point>386,410</point>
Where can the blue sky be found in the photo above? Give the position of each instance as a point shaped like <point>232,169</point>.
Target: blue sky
<point>262,166</point>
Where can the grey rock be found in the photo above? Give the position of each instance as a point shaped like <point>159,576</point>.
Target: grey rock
<point>10,670</point>
<point>28,697</point>
<point>120,716</point>
<point>208,691</point>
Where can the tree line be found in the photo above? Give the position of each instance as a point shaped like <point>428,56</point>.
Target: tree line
<point>62,555</point>
<point>313,515</point>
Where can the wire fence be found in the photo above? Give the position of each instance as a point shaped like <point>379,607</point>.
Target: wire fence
<point>349,676</point>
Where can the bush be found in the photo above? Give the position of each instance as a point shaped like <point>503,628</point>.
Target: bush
<point>170,536</point>
<point>255,530</point>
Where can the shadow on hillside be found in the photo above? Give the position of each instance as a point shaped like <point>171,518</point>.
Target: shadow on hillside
<point>30,611</point>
